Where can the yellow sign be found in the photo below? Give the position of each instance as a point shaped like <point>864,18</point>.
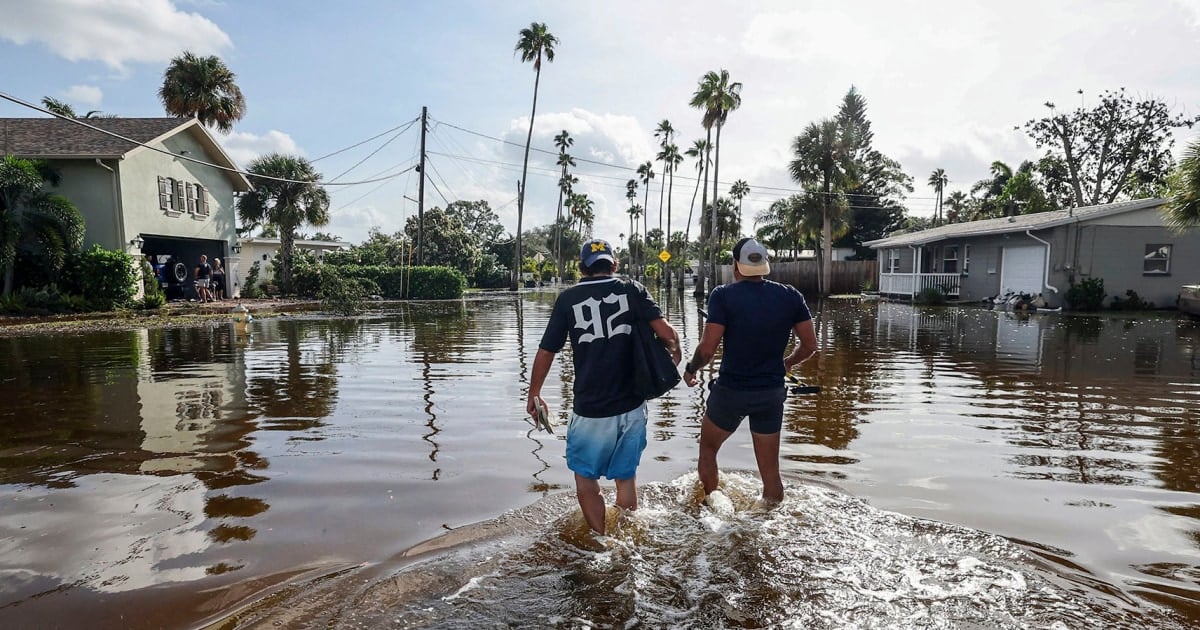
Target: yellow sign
<point>664,255</point>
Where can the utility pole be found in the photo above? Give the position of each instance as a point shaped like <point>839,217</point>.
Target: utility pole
<point>421,191</point>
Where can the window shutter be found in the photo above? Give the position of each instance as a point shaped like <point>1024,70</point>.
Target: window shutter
<point>163,194</point>
<point>190,193</point>
<point>201,200</point>
<point>178,191</point>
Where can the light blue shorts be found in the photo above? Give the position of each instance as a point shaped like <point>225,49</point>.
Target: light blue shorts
<point>611,446</point>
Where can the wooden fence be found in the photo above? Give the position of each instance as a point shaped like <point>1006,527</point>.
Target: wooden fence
<point>849,276</point>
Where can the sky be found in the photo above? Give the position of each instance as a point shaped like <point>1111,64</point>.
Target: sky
<point>947,84</point>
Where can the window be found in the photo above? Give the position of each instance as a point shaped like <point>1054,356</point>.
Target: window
<point>950,259</point>
<point>168,195</point>
<point>191,197</point>
<point>893,265</point>
<point>201,200</point>
<point>1157,261</point>
<point>966,259</point>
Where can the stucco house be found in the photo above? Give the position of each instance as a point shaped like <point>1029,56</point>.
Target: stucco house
<point>264,250</point>
<point>1127,244</point>
<point>142,200</point>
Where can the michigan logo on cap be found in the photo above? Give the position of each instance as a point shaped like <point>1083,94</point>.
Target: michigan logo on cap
<point>599,247</point>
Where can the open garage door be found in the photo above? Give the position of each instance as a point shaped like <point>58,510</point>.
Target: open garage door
<point>175,261</point>
<point>1024,269</point>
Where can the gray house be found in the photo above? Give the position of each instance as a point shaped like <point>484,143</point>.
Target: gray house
<point>138,199</point>
<point>1126,244</point>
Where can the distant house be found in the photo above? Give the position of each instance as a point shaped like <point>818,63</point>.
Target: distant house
<point>263,251</point>
<point>1126,244</point>
<point>137,199</point>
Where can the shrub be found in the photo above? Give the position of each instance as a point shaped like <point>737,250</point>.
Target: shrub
<point>250,288</point>
<point>344,295</point>
<point>1131,302</point>
<point>418,283</point>
<point>931,296</point>
<point>490,274</point>
<point>103,277</point>
<point>153,300</point>
<point>1087,295</point>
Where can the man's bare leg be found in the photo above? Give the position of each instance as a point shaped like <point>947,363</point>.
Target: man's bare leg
<point>711,439</point>
<point>590,501</point>
<point>766,451</point>
<point>627,493</point>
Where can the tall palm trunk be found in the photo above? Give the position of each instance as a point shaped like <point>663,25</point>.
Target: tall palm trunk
<point>713,233</point>
<point>287,244</point>
<point>826,238</point>
<point>516,273</point>
<point>670,190</point>
<point>704,255</point>
<point>558,261</point>
<point>645,228</point>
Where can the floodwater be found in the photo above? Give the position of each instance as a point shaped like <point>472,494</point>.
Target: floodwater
<point>961,467</point>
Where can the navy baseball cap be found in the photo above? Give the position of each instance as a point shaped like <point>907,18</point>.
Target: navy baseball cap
<point>596,249</point>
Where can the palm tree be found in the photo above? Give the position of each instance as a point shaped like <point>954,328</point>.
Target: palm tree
<point>533,43</point>
<point>664,132</point>
<point>938,181</point>
<point>738,191</point>
<point>287,205</point>
<point>957,204</point>
<point>563,141</point>
<point>646,172</point>
<point>699,152</point>
<point>202,88</point>
<point>717,96</point>
<point>671,160</point>
<point>29,213</point>
<point>635,211</point>
<point>1182,210</point>
<point>65,110</point>
<point>823,161</point>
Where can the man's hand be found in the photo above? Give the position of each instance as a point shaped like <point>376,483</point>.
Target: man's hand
<point>690,379</point>
<point>531,407</point>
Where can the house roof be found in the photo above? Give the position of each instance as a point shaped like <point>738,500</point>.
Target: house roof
<point>311,244</point>
<point>1019,223</point>
<point>56,138</point>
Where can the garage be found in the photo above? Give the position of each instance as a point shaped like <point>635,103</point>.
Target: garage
<point>175,260</point>
<point>1023,270</point>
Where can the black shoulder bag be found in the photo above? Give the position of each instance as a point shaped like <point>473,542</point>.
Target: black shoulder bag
<point>654,371</point>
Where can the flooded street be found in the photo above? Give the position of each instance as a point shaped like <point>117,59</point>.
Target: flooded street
<point>960,466</point>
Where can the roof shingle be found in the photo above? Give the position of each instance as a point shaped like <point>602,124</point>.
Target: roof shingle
<point>57,138</point>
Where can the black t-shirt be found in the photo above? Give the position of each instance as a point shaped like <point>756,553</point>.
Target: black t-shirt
<point>204,271</point>
<point>597,315</point>
<point>758,318</point>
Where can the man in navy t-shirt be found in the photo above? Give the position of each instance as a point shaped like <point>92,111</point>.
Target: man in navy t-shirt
<point>607,431</point>
<point>756,318</point>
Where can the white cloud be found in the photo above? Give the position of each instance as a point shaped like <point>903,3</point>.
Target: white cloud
<point>115,32</point>
<point>89,95</point>
<point>244,147</point>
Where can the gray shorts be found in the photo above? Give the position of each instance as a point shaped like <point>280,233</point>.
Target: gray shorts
<point>202,283</point>
<point>727,408</point>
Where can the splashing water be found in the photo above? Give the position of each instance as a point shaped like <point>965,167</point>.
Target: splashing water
<point>820,559</point>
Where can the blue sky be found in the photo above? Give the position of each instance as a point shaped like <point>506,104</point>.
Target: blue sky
<point>945,82</point>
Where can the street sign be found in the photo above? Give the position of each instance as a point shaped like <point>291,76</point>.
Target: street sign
<point>664,255</point>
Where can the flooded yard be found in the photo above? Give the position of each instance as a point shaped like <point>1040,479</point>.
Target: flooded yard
<point>960,465</point>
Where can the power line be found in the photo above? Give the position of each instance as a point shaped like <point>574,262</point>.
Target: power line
<point>357,144</point>
<point>444,183</point>
<point>180,156</point>
<point>369,156</point>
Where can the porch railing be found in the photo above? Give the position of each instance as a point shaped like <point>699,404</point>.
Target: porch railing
<point>911,284</point>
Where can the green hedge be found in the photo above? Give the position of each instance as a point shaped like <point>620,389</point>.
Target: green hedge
<point>395,283</point>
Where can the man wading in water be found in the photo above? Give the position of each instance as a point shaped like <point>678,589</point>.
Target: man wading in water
<point>756,318</point>
<point>607,431</point>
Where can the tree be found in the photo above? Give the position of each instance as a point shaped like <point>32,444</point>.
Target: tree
<point>533,43</point>
<point>664,132</point>
<point>1105,148</point>
<point>563,141</point>
<point>325,236</point>
<point>646,172</point>
<point>699,152</point>
<point>989,191</point>
<point>717,96</point>
<point>1182,210</point>
<point>479,219</point>
<point>938,181</point>
<point>28,213</point>
<point>738,191</point>
<point>671,160</point>
<point>289,201</point>
<point>877,183</point>
<point>957,203</point>
<point>65,110</point>
<point>202,88</point>
<point>448,242</point>
<point>823,161</point>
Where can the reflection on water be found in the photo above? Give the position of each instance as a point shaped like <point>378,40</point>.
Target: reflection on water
<point>212,466</point>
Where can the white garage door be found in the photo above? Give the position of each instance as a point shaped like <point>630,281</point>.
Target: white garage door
<point>1023,270</point>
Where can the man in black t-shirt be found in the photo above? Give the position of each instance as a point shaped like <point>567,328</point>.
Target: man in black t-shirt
<point>756,318</point>
<point>607,430</point>
<point>203,277</point>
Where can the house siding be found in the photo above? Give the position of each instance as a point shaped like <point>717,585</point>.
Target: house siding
<point>1115,254</point>
<point>90,188</point>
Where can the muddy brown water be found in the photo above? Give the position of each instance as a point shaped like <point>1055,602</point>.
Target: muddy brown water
<point>961,466</point>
